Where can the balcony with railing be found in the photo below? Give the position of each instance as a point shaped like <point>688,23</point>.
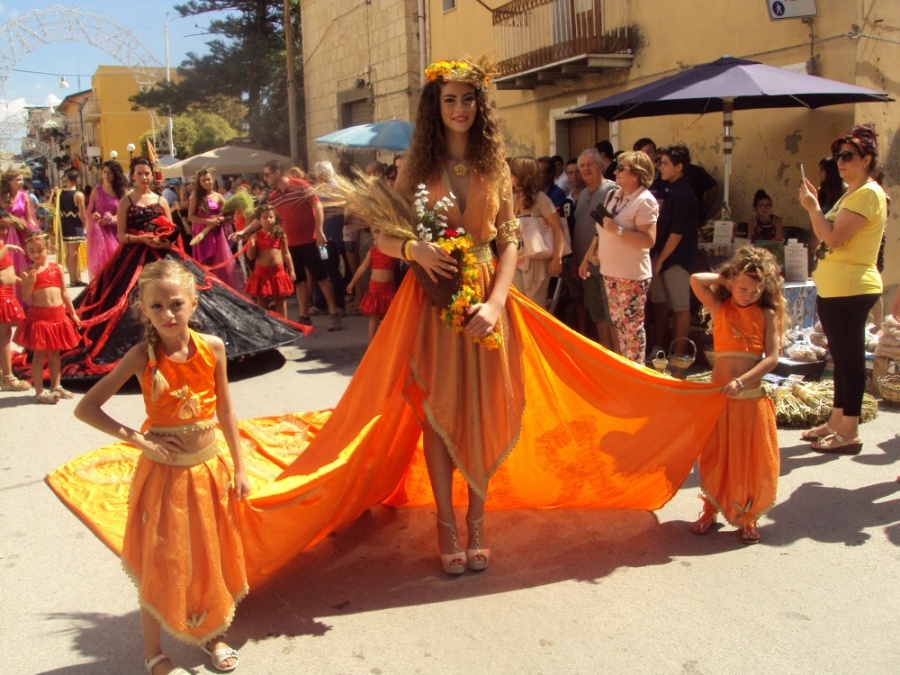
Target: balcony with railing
<point>544,42</point>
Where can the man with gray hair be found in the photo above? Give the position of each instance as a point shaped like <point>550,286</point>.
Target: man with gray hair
<point>589,294</point>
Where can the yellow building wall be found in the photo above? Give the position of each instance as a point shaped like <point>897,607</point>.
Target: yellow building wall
<point>769,144</point>
<point>119,125</point>
<point>357,49</point>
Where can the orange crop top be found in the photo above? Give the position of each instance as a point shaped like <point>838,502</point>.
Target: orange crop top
<point>189,404</point>
<point>739,331</point>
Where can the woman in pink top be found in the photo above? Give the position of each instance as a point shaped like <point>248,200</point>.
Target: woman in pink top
<point>16,202</point>
<point>209,246</point>
<point>101,228</point>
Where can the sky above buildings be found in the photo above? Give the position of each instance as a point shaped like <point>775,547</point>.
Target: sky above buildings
<point>76,61</point>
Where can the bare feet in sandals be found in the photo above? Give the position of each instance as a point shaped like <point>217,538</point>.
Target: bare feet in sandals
<point>222,657</point>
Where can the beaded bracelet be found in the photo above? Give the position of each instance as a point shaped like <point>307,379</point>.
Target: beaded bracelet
<point>738,384</point>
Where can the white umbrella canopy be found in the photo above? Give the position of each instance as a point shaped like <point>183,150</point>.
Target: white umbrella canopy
<point>224,160</point>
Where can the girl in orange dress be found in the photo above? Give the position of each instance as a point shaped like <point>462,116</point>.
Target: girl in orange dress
<point>49,325</point>
<point>181,545</point>
<point>273,275</point>
<point>739,466</point>
<point>382,284</point>
<point>11,313</point>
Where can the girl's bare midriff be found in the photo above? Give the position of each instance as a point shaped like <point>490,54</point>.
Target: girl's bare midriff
<point>726,368</point>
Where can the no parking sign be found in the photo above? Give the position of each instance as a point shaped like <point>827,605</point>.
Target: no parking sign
<point>791,9</point>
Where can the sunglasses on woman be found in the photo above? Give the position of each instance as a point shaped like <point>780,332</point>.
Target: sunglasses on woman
<point>845,156</point>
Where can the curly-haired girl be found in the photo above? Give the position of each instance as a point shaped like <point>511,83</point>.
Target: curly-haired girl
<point>739,466</point>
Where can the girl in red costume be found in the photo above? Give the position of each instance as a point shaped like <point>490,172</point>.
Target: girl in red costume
<point>382,285</point>
<point>48,326</point>
<point>739,466</point>
<point>181,546</point>
<point>273,276</point>
<point>11,313</point>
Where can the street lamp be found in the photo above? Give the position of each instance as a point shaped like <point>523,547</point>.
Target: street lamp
<point>113,154</point>
<point>130,149</point>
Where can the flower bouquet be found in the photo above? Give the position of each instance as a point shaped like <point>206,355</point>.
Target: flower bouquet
<point>376,202</point>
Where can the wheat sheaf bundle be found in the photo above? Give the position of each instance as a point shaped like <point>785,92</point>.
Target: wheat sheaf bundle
<point>373,201</point>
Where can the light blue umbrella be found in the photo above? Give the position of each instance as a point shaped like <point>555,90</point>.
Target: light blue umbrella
<point>389,135</point>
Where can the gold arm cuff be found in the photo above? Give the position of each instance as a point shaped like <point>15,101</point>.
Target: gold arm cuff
<point>187,458</point>
<point>508,232</point>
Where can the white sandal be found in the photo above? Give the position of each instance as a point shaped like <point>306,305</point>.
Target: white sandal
<point>152,663</point>
<point>220,655</point>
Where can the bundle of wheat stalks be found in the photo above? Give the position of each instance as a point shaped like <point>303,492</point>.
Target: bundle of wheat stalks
<point>373,201</point>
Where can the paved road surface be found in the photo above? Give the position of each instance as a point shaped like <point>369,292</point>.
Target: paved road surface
<point>567,591</point>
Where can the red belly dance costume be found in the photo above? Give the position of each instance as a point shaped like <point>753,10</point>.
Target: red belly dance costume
<point>10,309</point>
<point>47,329</point>
<point>269,282</point>
<point>181,545</point>
<point>380,294</point>
<point>740,464</point>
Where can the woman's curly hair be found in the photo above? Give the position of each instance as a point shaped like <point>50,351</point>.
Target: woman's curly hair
<point>759,264</point>
<point>428,148</point>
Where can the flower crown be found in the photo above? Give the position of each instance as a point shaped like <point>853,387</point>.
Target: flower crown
<point>458,71</point>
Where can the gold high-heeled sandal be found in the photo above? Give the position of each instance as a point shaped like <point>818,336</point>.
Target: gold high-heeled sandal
<point>478,557</point>
<point>453,563</point>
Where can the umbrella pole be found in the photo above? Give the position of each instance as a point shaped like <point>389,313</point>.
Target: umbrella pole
<point>728,142</point>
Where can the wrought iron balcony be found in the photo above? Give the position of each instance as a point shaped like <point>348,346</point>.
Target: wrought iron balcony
<point>542,42</point>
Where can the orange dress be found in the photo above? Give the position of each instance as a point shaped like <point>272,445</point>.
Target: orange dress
<point>554,420</point>
<point>739,466</point>
<point>181,544</point>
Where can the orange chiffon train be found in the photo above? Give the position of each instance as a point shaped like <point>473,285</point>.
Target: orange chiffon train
<point>597,431</point>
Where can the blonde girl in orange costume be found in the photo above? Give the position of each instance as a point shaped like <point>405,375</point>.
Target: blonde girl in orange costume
<point>50,322</point>
<point>739,466</point>
<point>181,545</point>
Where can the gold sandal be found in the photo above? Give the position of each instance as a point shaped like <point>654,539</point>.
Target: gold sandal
<point>47,397</point>
<point>13,383</point>
<point>62,393</point>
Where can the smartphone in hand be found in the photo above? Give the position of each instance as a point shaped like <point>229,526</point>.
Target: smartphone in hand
<point>599,213</point>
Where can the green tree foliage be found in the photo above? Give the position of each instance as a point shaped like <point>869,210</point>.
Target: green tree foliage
<point>242,77</point>
<point>197,131</point>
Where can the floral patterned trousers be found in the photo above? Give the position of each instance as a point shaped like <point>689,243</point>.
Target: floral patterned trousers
<point>626,309</point>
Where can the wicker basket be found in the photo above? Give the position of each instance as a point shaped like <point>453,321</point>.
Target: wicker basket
<point>889,385</point>
<point>440,293</point>
<point>680,363</point>
<point>660,361</point>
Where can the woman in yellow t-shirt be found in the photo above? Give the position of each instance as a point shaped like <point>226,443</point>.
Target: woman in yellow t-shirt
<point>847,281</point>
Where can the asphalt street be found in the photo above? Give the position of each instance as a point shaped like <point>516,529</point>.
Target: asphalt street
<point>567,591</point>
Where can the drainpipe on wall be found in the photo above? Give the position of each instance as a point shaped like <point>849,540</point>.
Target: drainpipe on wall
<point>423,51</point>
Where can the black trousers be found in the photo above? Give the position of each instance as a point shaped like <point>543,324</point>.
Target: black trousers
<point>844,323</point>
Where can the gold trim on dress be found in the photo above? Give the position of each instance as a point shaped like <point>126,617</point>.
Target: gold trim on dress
<point>740,355</point>
<point>190,427</point>
<point>483,253</point>
<point>187,458</point>
<point>756,392</point>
